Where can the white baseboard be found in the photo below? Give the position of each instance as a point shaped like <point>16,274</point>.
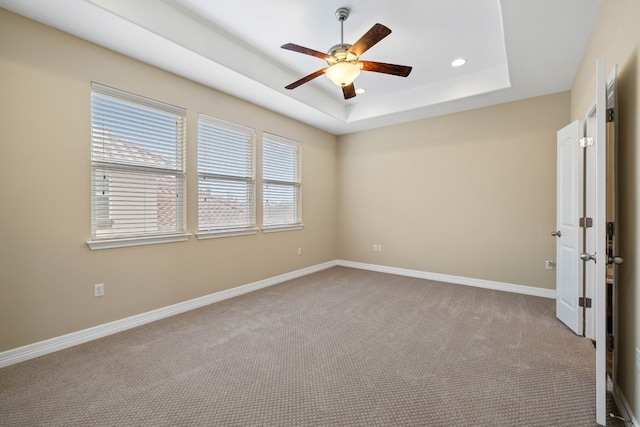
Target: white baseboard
<point>41,348</point>
<point>623,406</point>
<point>458,280</point>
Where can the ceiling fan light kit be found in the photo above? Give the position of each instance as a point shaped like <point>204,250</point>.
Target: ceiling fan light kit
<point>343,73</point>
<point>343,59</point>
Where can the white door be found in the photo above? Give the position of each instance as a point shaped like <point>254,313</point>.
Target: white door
<point>568,232</point>
<point>605,240</point>
<point>596,248</point>
<point>613,232</point>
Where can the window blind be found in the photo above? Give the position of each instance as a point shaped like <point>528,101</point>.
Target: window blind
<point>226,175</point>
<point>137,159</point>
<point>281,181</point>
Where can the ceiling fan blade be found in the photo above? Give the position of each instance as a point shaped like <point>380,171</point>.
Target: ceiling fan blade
<point>371,37</point>
<point>381,67</point>
<point>306,79</point>
<point>349,91</point>
<point>305,50</point>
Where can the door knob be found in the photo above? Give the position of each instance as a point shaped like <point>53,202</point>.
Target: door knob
<point>588,257</point>
<point>616,260</point>
<point>556,233</point>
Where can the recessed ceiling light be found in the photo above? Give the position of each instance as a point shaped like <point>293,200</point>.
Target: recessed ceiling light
<point>458,62</point>
<point>360,91</point>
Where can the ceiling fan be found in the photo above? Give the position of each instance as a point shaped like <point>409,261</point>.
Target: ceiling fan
<point>344,59</point>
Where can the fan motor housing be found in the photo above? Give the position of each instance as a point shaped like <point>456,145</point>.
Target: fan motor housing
<point>340,52</point>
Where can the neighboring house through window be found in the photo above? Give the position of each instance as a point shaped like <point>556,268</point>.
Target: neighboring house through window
<point>281,183</point>
<point>137,166</point>
<point>226,178</point>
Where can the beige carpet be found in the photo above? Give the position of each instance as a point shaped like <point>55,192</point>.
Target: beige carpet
<point>339,347</point>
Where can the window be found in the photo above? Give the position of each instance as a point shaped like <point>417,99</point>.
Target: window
<point>226,178</point>
<point>137,167</point>
<point>281,183</point>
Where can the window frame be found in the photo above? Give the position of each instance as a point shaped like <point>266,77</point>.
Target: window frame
<point>127,164</point>
<point>296,184</point>
<point>209,232</point>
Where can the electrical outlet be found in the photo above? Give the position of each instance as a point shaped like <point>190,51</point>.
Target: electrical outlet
<point>98,290</point>
<point>379,248</point>
<point>548,265</point>
<point>299,251</point>
<point>375,248</point>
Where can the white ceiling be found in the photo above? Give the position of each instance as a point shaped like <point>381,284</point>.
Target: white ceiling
<point>515,49</point>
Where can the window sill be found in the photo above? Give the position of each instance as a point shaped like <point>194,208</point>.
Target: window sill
<point>226,233</point>
<point>277,228</point>
<point>136,241</point>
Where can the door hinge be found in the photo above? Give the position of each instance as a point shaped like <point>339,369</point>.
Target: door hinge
<point>586,222</point>
<point>609,342</point>
<point>584,302</point>
<point>611,116</point>
<point>586,141</point>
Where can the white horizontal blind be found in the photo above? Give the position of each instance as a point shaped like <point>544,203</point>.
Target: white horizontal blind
<point>137,162</point>
<point>281,181</point>
<point>226,175</point>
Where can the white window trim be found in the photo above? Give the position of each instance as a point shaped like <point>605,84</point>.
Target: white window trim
<point>226,233</point>
<point>278,228</point>
<point>136,241</point>
<point>97,243</point>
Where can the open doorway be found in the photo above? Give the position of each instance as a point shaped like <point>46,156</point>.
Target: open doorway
<point>586,299</point>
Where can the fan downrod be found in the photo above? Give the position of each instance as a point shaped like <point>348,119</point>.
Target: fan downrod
<point>340,49</point>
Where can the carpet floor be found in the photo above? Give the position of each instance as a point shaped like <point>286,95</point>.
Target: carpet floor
<point>340,347</point>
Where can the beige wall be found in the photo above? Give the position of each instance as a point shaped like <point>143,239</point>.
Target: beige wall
<point>617,39</point>
<point>46,270</point>
<point>469,194</point>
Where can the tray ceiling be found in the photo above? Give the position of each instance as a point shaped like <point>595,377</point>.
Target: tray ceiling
<point>514,49</point>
